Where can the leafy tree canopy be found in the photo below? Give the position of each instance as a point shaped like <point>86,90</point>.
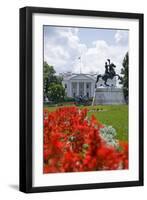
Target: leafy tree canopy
<point>51,81</point>
<point>124,78</point>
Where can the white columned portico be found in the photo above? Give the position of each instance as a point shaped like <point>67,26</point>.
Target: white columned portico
<point>70,89</point>
<point>85,89</point>
<point>77,88</point>
<point>79,84</point>
<point>92,88</point>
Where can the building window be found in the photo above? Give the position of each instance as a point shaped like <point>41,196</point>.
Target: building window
<point>87,86</point>
<point>88,94</point>
<point>65,85</point>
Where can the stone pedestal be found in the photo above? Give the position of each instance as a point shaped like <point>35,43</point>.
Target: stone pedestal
<point>108,95</point>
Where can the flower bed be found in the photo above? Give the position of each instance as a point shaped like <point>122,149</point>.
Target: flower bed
<point>74,143</point>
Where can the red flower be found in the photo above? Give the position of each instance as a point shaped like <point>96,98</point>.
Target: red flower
<point>72,143</point>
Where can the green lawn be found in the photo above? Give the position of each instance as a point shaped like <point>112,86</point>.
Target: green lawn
<point>115,115</point>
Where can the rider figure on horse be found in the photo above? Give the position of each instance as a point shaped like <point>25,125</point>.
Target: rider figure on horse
<point>109,72</point>
<point>106,68</point>
<point>112,72</point>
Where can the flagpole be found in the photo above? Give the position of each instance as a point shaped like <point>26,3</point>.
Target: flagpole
<point>80,64</point>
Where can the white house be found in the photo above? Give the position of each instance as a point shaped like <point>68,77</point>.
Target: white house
<point>79,84</point>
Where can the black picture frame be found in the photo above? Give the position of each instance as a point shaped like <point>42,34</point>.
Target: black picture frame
<point>26,92</point>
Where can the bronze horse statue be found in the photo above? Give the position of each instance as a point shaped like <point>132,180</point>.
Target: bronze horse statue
<point>109,73</point>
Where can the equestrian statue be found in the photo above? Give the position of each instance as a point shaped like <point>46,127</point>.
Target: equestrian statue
<point>109,73</point>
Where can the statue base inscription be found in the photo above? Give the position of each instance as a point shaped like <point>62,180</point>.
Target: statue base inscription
<point>108,95</point>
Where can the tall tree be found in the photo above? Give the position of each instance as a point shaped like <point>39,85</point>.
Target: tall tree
<point>124,78</point>
<point>48,73</point>
<point>49,79</point>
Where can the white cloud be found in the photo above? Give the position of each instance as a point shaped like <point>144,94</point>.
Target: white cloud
<point>63,48</point>
<point>121,37</point>
<point>94,58</point>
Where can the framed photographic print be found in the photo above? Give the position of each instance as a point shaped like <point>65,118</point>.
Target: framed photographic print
<point>81,99</point>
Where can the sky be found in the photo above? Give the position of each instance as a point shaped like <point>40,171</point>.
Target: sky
<point>64,45</point>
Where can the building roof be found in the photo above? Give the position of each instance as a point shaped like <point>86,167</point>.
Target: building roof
<point>69,76</point>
